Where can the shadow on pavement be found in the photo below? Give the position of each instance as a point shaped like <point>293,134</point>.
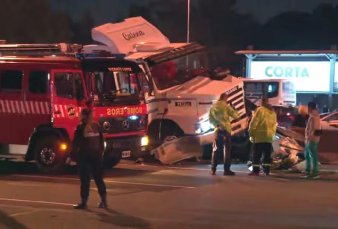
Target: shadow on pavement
<point>9,222</point>
<point>11,167</point>
<point>8,167</point>
<point>327,177</point>
<point>116,218</point>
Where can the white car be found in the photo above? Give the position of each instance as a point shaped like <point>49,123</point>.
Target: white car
<point>330,120</point>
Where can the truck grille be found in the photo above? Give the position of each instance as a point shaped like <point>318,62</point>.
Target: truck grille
<point>122,124</point>
<point>236,98</point>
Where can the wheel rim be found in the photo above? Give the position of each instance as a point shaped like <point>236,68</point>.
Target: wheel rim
<point>47,156</point>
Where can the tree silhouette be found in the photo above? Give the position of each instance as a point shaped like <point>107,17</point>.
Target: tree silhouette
<point>32,21</point>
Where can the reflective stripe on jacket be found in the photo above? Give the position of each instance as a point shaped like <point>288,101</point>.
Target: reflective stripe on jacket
<point>263,125</point>
<point>221,114</point>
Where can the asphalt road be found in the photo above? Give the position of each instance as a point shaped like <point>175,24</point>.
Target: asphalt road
<point>155,196</point>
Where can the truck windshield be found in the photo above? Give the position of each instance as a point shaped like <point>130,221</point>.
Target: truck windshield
<point>255,89</point>
<point>114,86</point>
<point>179,70</point>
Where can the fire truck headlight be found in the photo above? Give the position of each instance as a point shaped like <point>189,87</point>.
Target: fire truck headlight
<point>105,145</point>
<point>133,117</point>
<point>144,141</point>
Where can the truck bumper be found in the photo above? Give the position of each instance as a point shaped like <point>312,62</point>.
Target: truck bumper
<point>126,146</point>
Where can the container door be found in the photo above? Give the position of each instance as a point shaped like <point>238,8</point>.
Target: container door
<point>68,98</point>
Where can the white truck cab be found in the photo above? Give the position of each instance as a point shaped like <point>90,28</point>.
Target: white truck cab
<point>181,90</point>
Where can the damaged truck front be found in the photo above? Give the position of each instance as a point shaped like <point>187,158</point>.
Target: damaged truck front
<point>180,91</point>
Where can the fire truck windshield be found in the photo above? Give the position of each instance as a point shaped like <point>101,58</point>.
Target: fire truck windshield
<point>114,86</point>
<point>179,70</point>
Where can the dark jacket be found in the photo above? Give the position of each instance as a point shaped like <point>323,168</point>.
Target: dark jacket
<point>300,120</point>
<point>88,145</point>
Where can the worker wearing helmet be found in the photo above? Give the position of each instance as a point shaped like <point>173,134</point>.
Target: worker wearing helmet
<point>221,114</point>
<point>262,129</point>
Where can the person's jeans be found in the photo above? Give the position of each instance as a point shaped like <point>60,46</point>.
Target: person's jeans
<point>311,157</point>
<point>221,150</point>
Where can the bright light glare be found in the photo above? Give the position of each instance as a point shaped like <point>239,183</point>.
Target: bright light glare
<point>133,117</point>
<point>144,141</point>
<point>63,146</point>
<point>205,126</point>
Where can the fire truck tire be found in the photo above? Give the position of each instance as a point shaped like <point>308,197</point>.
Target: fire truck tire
<point>47,156</point>
<point>110,161</point>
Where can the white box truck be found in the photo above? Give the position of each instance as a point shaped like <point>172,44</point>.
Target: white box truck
<point>181,90</point>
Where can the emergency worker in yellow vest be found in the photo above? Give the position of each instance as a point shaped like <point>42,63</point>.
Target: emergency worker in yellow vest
<point>262,130</point>
<point>221,114</point>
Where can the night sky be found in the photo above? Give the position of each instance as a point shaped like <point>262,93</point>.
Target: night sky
<point>110,10</point>
<point>264,9</point>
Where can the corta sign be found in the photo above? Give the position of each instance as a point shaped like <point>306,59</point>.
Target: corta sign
<point>285,72</point>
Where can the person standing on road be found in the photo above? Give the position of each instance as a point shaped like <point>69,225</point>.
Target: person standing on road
<point>88,144</point>
<point>262,129</point>
<point>312,137</point>
<point>221,114</point>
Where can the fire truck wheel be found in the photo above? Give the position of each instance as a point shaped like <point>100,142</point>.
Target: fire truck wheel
<point>109,161</point>
<point>47,156</point>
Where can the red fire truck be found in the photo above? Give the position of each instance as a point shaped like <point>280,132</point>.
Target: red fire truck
<point>43,89</point>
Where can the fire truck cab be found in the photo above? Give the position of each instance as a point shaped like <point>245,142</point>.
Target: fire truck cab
<point>42,91</point>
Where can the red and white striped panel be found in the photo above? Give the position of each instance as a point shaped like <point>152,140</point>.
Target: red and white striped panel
<point>24,107</point>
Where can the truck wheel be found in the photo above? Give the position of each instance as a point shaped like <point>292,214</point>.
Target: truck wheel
<point>207,151</point>
<point>48,157</point>
<point>169,132</point>
<point>241,149</point>
<point>110,161</point>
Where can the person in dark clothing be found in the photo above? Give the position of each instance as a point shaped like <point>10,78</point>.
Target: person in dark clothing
<point>88,144</point>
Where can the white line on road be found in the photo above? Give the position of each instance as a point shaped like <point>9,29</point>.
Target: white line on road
<point>36,201</point>
<point>24,213</point>
<point>181,168</point>
<point>110,181</point>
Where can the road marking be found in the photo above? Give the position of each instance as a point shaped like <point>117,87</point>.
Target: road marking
<point>175,167</point>
<point>36,201</point>
<point>111,181</point>
<point>24,213</point>
<point>148,184</point>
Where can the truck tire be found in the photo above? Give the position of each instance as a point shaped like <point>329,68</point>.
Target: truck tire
<point>169,131</point>
<point>241,148</point>
<point>207,151</point>
<point>48,157</point>
<point>110,161</point>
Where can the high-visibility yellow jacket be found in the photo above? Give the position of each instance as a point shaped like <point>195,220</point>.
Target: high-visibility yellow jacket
<point>221,114</point>
<point>263,125</point>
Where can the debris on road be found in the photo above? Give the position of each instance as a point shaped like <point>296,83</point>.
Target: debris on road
<point>177,150</point>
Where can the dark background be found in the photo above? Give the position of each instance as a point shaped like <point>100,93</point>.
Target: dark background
<point>224,26</point>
